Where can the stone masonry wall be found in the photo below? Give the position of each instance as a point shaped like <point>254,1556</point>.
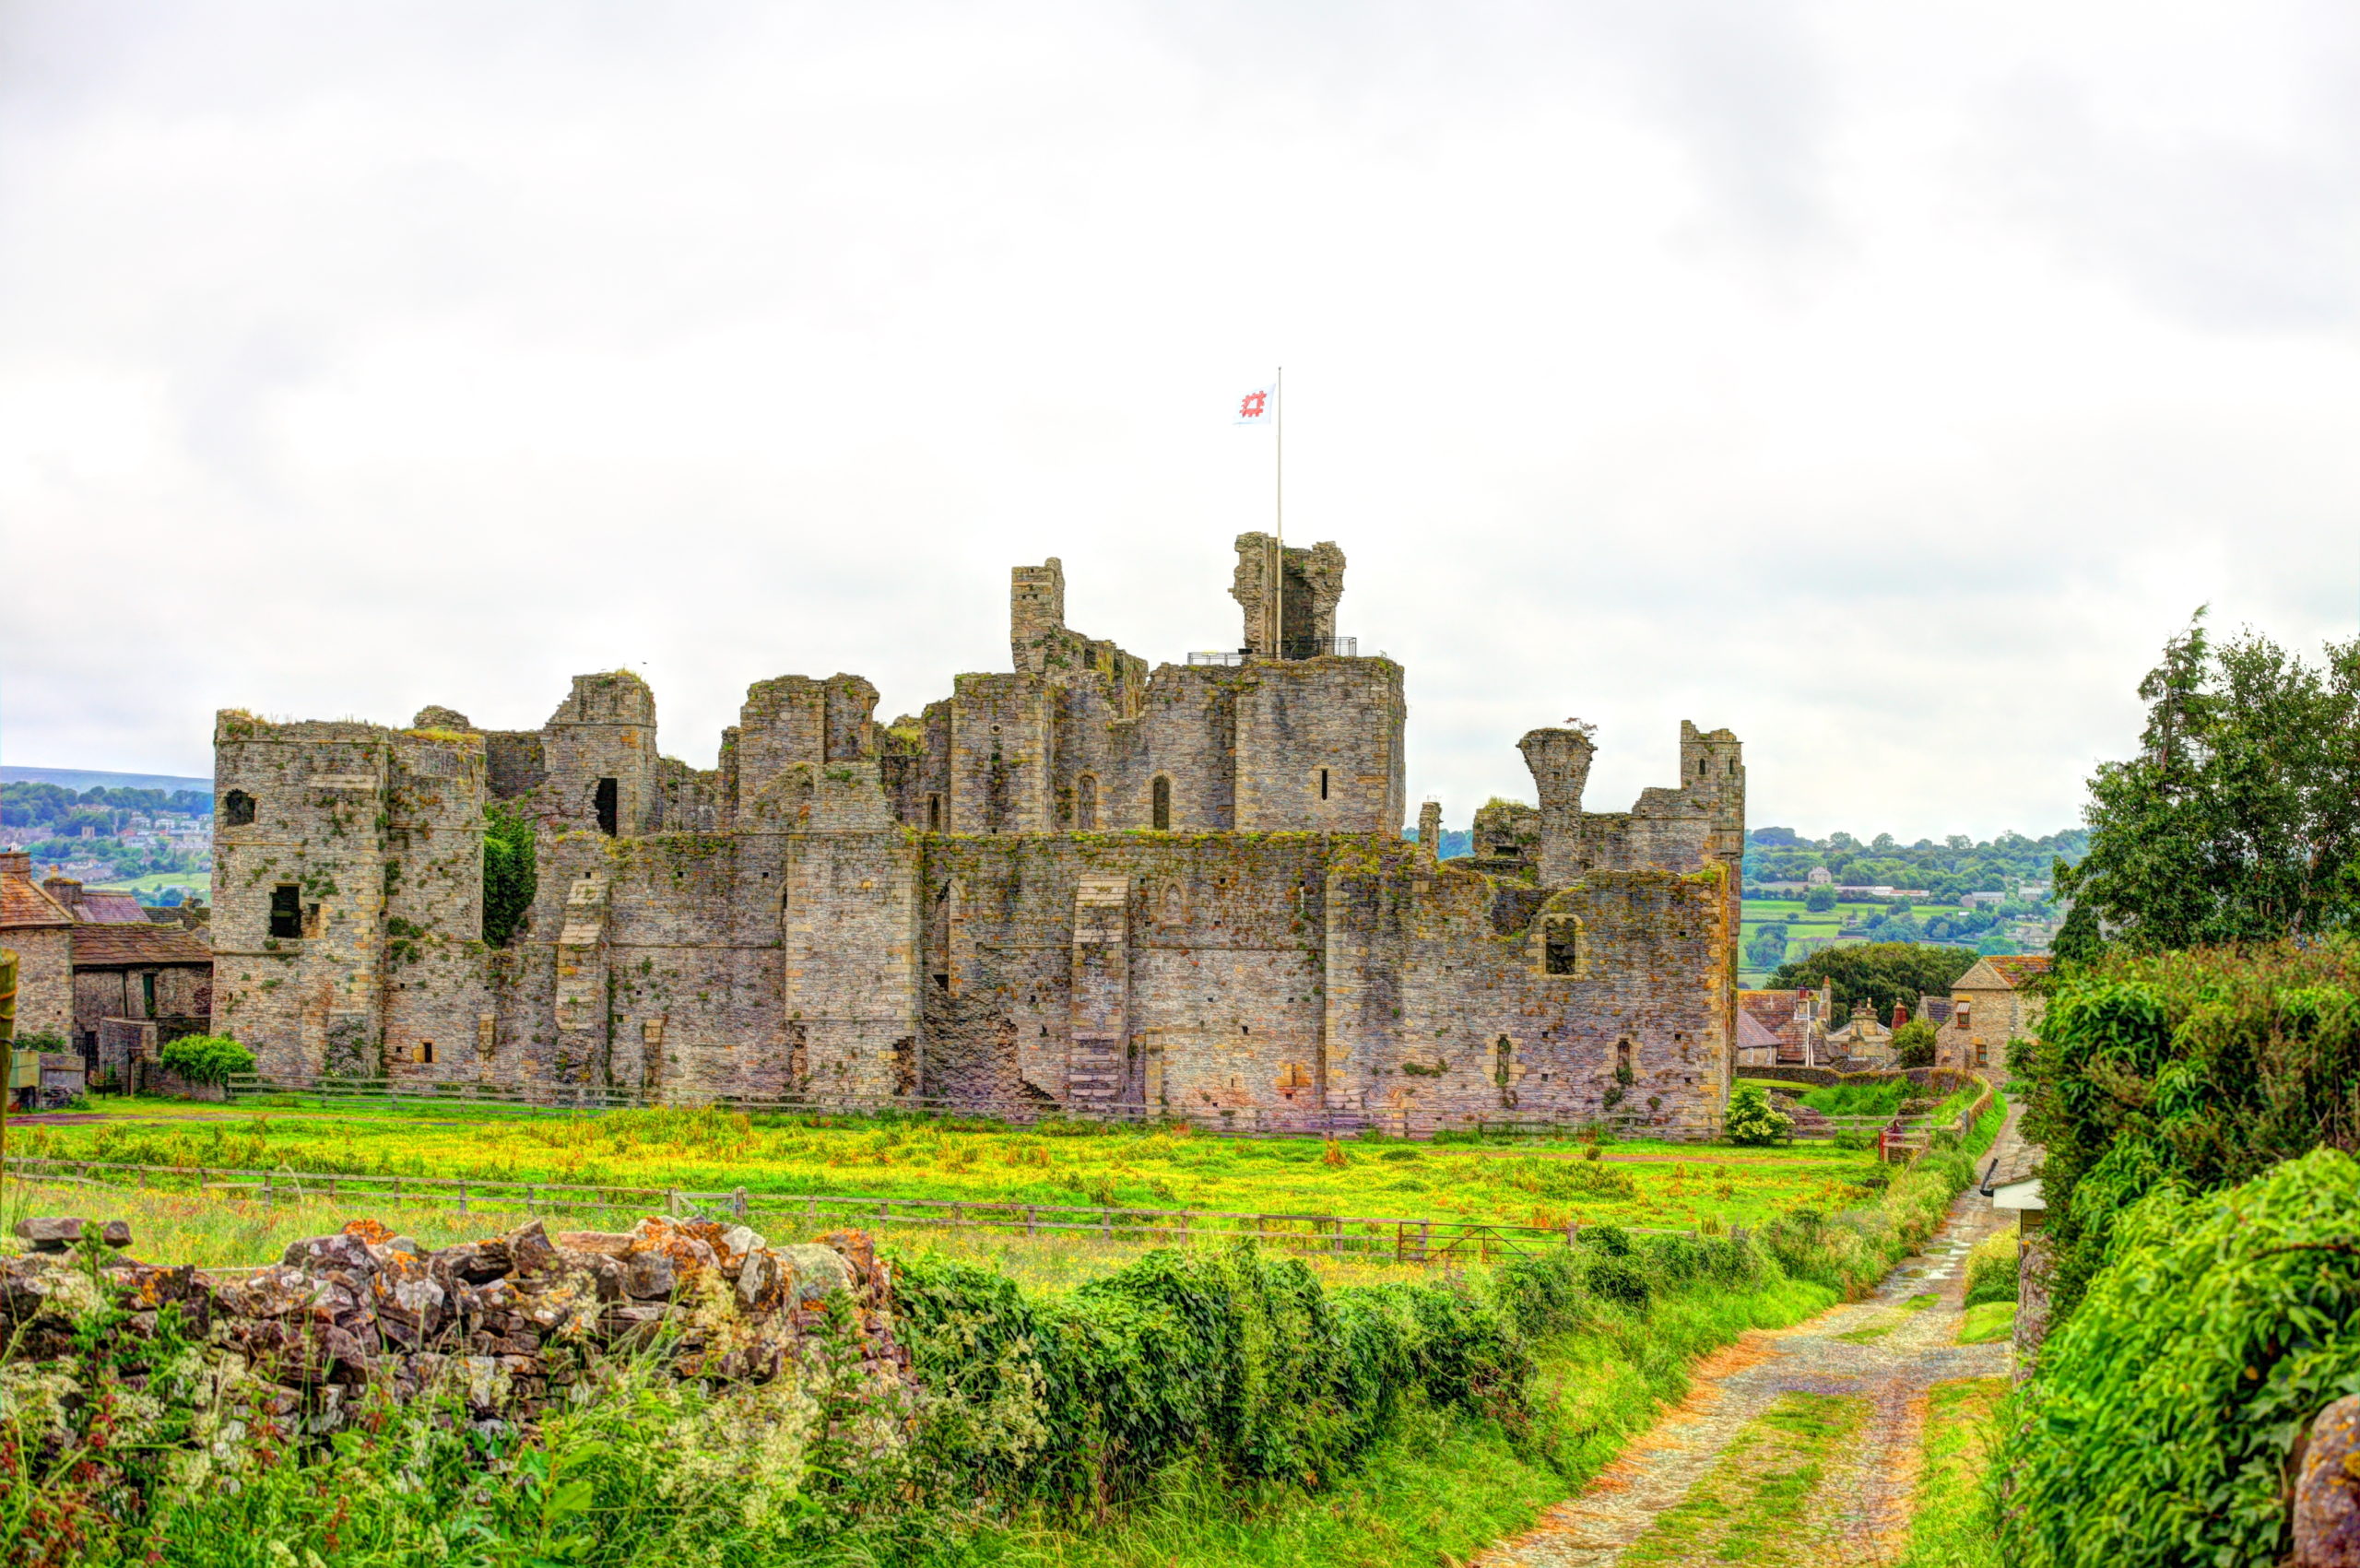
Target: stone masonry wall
<point>839,911</point>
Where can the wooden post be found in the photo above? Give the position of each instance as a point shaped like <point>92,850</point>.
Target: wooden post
<point>1425,1240</point>
<point>1032,1220</point>
<point>738,1202</point>
<point>463,1195</point>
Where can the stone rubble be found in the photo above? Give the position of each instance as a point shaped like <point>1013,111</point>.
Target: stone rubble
<point>516,1321</point>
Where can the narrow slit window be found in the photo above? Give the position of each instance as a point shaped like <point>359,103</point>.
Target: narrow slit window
<point>934,813</point>
<point>148,996</point>
<point>287,910</point>
<point>1085,802</point>
<point>426,1053</point>
<point>1323,784</point>
<point>607,815</point>
<point>1162,804</point>
<point>237,810</point>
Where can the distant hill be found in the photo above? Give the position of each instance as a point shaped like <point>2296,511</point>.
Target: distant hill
<point>82,779</point>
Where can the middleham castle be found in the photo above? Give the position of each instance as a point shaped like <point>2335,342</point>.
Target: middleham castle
<point>1081,884</point>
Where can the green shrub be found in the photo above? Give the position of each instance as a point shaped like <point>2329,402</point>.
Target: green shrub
<point>206,1058</point>
<point>2159,1426</point>
<point>510,874</point>
<point>1913,1044</point>
<point>2203,1068</point>
<point>1991,1270</point>
<point>1859,1096</point>
<point>1752,1120</point>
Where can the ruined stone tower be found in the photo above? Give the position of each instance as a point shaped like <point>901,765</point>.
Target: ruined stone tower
<point>1083,881</point>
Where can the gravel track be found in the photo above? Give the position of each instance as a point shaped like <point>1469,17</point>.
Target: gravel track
<point>1859,1512</point>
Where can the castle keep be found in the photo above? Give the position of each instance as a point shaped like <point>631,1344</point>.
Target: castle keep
<point>1081,883</point>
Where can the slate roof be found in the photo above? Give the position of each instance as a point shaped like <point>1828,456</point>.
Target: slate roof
<point>1935,1010</point>
<point>111,907</point>
<point>104,946</point>
<point>1752,1032</point>
<point>2019,969</point>
<point>23,903</point>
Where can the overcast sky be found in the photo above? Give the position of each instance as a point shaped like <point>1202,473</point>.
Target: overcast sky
<point>1881,381</point>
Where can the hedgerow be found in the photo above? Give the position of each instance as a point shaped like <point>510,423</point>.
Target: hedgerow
<point>2203,1068</point>
<point>2159,1428</point>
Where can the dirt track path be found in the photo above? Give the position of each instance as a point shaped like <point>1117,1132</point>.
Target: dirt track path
<point>1728,1440</point>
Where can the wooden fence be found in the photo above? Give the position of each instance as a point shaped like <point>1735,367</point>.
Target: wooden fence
<point>1249,1122</point>
<point>1351,1236</point>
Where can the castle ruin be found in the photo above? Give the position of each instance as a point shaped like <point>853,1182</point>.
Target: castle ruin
<point>1081,884</point>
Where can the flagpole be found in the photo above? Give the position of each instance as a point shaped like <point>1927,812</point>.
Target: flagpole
<point>1278,418</point>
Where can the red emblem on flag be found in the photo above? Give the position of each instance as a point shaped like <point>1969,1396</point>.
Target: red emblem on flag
<point>1251,408</point>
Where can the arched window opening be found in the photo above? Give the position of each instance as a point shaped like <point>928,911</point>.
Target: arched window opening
<point>1162,811</point>
<point>1503,1072</point>
<point>1085,802</point>
<point>1700,767</point>
<point>934,813</point>
<point>1621,1057</point>
<point>607,803</point>
<point>237,810</point>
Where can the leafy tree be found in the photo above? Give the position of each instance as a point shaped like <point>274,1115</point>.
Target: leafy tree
<point>2239,820</point>
<point>1752,1120</point>
<point>1768,948</point>
<point>1818,900</point>
<point>1913,1044</point>
<point>1879,973</point>
<point>511,874</point>
<point>2078,940</point>
<point>207,1058</point>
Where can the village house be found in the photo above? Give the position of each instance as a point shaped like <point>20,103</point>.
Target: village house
<point>1999,1000</point>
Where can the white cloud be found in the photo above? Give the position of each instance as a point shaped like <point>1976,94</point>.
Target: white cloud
<point>1883,382</point>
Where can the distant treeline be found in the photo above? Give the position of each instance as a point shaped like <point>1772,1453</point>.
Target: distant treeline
<point>1956,864</point>
<point>40,805</point>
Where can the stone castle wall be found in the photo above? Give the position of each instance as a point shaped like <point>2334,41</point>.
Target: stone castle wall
<point>979,906</point>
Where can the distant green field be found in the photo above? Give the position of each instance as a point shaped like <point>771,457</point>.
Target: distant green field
<point>1774,912</point>
<point>196,881</point>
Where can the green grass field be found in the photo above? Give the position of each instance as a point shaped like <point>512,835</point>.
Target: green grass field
<point>1079,1164</point>
<point>1759,913</point>
<point>192,881</point>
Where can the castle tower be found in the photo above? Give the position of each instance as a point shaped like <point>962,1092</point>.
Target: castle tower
<point>600,746</point>
<point>1036,612</point>
<point>1288,596</point>
<point>1559,760</point>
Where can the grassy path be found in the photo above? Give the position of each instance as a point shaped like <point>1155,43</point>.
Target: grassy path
<point>1801,1446</point>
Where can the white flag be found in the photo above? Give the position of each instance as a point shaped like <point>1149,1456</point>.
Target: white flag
<point>1259,407</point>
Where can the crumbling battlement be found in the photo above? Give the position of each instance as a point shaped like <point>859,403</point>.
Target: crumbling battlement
<point>1080,882</point>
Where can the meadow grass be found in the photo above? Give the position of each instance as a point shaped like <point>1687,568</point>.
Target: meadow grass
<point>220,1230</point>
<point>1952,1525</point>
<point>1987,1321</point>
<point>1168,1166</point>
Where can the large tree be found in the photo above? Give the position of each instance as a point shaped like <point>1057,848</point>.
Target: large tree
<point>2240,818</point>
<point>1879,973</point>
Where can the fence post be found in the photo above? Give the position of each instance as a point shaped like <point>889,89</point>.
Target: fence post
<point>672,1202</point>
<point>738,1202</point>
<point>1032,1220</point>
<point>463,1195</point>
